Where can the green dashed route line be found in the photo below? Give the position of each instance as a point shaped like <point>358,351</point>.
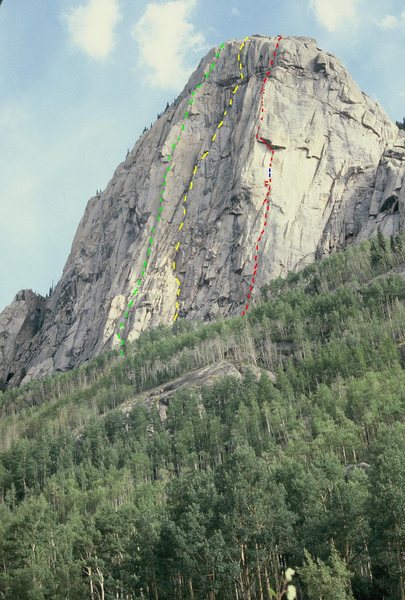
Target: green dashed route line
<point>161,201</point>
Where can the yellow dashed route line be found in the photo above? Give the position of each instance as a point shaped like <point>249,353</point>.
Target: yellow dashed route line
<point>169,158</point>
<point>203,156</point>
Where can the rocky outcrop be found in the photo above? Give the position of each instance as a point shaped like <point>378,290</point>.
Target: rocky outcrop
<point>19,322</point>
<point>338,172</point>
<point>195,380</point>
<point>372,197</point>
<point>350,468</point>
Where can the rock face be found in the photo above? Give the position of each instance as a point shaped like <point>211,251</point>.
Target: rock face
<point>19,322</point>
<point>337,173</point>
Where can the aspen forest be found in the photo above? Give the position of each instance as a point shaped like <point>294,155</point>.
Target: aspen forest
<point>146,477</point>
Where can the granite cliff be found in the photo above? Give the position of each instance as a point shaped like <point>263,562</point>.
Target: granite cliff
<point>337,173</point>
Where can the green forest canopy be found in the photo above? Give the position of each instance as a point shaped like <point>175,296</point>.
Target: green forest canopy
<point>243,479</point>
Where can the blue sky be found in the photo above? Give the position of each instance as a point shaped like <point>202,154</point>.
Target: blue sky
<point>79,80</point>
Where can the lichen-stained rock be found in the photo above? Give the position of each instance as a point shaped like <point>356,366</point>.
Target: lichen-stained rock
<point>337,173</point>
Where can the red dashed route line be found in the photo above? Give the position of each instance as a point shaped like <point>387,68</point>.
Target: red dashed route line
<point>266,201</point>
<point>268,181</point>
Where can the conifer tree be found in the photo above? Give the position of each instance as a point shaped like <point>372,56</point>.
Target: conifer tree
<point>381,241</point>
<point>326,582</point>
<point>398,244</point>
<point>375,253</point>
<point>393,244</point>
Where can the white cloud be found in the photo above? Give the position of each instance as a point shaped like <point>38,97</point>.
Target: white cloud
<point>391,22</point>
<point>165,36</point>
<point>333,14</point>
<point>91,26</point>
<point>235,11</point>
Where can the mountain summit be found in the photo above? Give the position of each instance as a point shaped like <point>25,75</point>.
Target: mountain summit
<point>337,172</point>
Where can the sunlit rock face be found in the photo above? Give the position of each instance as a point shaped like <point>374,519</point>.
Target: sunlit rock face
<point>337,173</point>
